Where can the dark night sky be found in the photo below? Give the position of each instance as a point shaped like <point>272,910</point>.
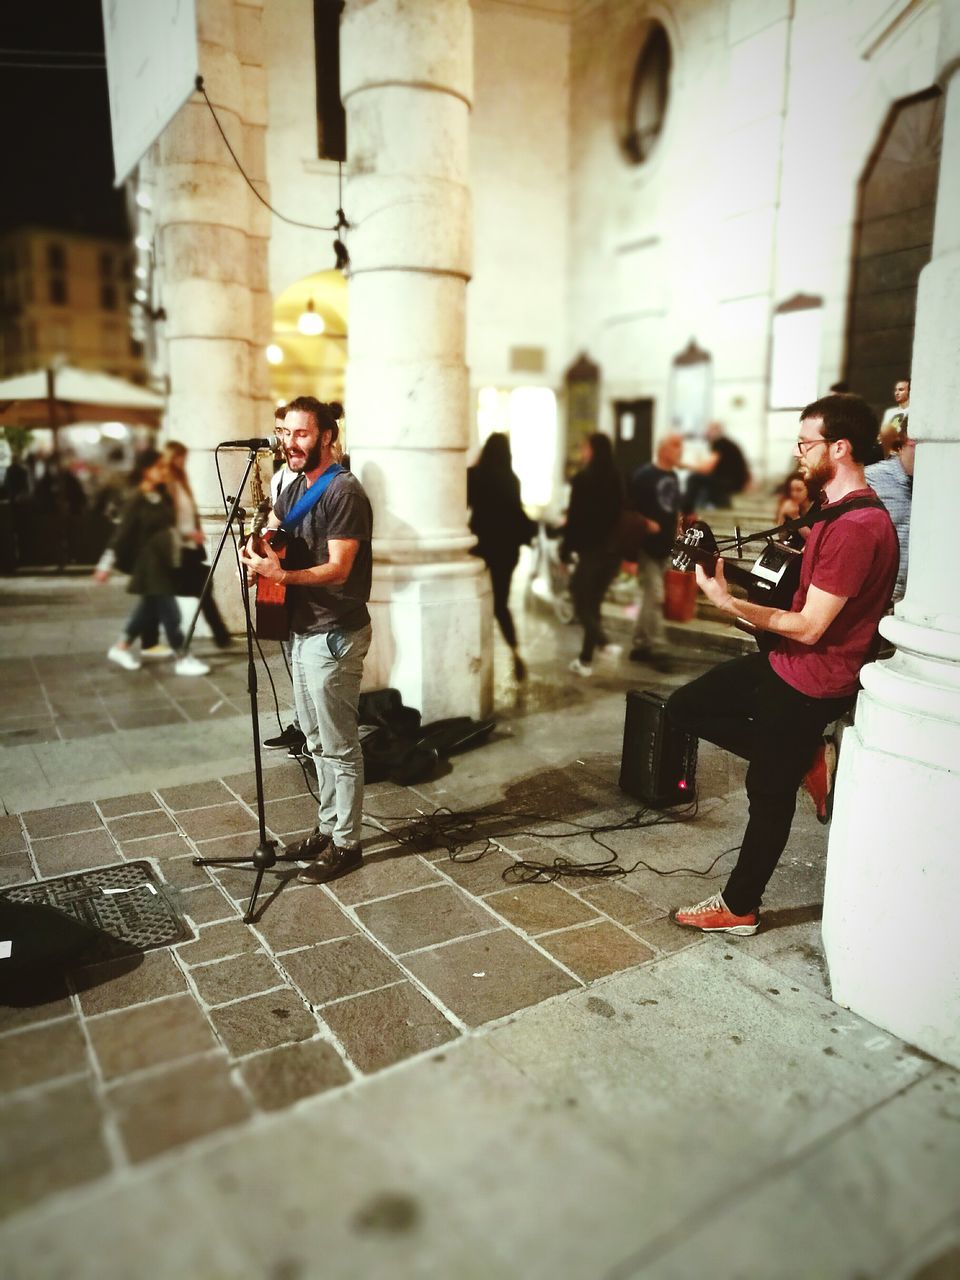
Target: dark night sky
<point>57,168</point>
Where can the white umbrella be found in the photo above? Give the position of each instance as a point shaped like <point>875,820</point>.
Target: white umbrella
<point>56,397</point>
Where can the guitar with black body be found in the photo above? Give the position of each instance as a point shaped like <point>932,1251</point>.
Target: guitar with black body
<point>772,580</point>
<point>774,576</point>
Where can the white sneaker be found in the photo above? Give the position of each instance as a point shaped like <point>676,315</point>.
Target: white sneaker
<point>580,668</point>
<point>157,651</point>
<point>610,650</point>
<point>123,658</point>
<point>188,665</point>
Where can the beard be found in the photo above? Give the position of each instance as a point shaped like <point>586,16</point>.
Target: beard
<point>297,460</point>
<point>819,474</point>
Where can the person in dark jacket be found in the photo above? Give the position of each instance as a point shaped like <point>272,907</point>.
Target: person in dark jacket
<point>593,519</point>
<point>501,526</point>
<point>146,545</point>
<point>193,557</point>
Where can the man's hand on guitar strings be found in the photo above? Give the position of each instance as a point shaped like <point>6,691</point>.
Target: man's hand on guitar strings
<point>265,566</point>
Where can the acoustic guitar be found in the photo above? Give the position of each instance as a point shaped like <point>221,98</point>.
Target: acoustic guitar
<point>272,609</point>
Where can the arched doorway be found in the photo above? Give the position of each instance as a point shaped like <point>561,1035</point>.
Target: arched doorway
<point>892,244</point>
<point>308,353</point>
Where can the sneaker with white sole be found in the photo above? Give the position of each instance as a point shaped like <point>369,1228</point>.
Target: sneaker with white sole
<point>123,658</point>
<point>156,651</point>
<point>188,665</point>
<point>581,668</point>
<point>714,916</point>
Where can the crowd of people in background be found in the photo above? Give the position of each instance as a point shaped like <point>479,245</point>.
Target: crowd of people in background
<point>663,494</point>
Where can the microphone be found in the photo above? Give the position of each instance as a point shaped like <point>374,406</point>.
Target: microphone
<point>261,442</point>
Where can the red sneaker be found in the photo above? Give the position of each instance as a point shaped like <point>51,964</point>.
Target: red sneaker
<point>714,916</point>
<point>818,780</point>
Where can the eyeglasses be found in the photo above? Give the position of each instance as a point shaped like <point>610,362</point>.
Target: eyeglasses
<point>803,445</point>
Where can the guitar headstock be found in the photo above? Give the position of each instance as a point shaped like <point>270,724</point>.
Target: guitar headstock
<point>697,546</point>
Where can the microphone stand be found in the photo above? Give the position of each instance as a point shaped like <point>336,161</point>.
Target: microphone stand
<point>265,855</point>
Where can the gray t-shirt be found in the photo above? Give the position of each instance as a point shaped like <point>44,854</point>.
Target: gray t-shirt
<point>343,512</point>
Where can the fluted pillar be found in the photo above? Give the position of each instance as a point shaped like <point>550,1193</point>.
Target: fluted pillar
<point>212,260</point>
<point>406,84</point>
<point>893,867</point>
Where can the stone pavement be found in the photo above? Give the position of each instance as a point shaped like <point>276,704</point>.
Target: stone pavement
<point>423,1069</point>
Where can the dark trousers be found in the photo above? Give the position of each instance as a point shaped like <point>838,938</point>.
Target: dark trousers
<point>147,616</point>
<point>744,707</point>
<point>591,578</point>
<point>501,572</point>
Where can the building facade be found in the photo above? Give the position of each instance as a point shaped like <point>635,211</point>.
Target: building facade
<point>65,299</point>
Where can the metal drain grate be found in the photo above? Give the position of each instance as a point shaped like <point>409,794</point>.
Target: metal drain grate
<point>126,904</point>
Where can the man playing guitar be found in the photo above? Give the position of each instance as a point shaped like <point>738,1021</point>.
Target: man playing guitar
<point>772,708</point>
<point>327,570</point>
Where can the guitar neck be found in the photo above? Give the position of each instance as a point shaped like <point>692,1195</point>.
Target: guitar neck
<point>733,571</point>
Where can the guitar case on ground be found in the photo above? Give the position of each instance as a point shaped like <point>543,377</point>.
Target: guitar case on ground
<point>398,748</point>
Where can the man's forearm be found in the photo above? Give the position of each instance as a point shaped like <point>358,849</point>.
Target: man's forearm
<point>318,575</point>
<point>781,622</point>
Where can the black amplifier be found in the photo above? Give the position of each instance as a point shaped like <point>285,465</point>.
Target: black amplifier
<point>659,762</point>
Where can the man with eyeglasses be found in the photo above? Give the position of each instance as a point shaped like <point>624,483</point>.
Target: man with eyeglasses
<point>772,708</point>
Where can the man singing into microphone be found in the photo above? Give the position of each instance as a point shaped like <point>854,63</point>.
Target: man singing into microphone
<point>772,708</point>
<point>327,571</point>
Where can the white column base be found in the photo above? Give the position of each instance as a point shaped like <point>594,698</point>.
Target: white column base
<point>431,636</point>
<point>893,884</point>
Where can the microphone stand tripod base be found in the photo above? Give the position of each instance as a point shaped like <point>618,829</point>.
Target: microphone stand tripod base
<point>262,859</point>
<point>265,855</point>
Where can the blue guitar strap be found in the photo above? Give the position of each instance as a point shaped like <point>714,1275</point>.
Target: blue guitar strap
<point>308,500</point>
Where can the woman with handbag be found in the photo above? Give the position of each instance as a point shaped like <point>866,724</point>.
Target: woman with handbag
<point>192,572</point>
<point>147,546</point>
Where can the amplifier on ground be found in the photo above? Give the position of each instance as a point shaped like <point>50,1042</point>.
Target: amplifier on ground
<point>659,761</point>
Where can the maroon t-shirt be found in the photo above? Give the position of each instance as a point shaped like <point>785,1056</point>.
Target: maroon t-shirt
<point>855,556</point>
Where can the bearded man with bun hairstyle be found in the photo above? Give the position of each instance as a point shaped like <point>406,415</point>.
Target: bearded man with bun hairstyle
<point>327,574</point>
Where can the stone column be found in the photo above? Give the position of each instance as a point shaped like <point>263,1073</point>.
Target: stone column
<point>406,84</point>
<point>212,262</point>
<point>893,871</point>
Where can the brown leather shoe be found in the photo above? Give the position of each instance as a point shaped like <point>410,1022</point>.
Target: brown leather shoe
<point>305,850</point>
<point>332,863</point>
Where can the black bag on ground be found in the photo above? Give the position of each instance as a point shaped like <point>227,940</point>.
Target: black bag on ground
<point>398,749</point>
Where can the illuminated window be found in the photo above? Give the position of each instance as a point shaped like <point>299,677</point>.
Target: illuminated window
<point>795,352</point>
<point>528,415</point>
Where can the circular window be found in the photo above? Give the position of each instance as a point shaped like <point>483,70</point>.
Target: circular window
<point>649,94</point>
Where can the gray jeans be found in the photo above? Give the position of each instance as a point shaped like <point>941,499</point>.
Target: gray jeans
<point>650,632</point>
<point>287,647</point>
<point>327,669</point>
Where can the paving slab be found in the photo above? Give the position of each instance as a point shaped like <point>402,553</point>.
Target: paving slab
<point>582,1089</point>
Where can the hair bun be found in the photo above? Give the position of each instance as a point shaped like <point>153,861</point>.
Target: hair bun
<point>336,408</point>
